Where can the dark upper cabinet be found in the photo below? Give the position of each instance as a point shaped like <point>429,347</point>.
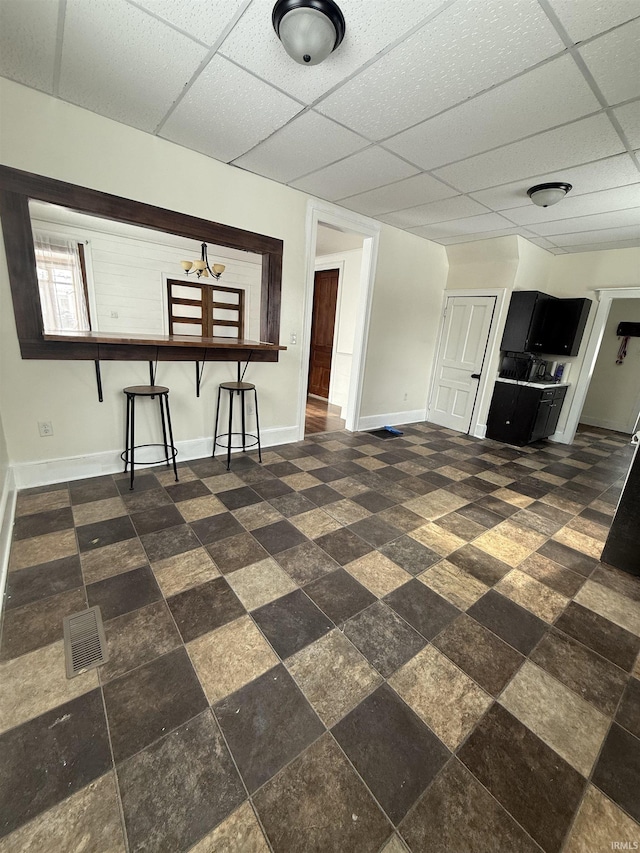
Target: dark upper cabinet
<point>524,320</point>
<point>540,323</point>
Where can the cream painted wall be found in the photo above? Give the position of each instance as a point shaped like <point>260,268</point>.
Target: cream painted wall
<point>613,399</point>
<point>405,321</point>
<point>483,264</point>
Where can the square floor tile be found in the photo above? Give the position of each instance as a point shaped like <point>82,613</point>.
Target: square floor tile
<point>278,537</point>
<point>112,560</point>
<point>260,583</point>
<point>26,503</point>
<point>604,637</point>
<point>454,584</point>
<point>344,546</point>
<point>339,595</point>
<point>311,803</point>
<point>315,523</point>
<point>616,773</point>
<point>240,831</point>
<point>67,747</point>
<point>528,778</point>
<point>36,625</point>
<point>236,552</point>
<point>611,605</point>
<point>402,518</point>
<point>216,527</point>
<point>169,542</point>
<point>598,821</point>
<point>237,498</point>
<point>515,625</point>
<point>629,711</point>
<point>578,667</point>
<point>158,518</point>
<point>377,573</point>
<point>422,608</point>
<point>552,574</point>
<point>292,622</point>
<point>375,530</point>
<point>267,723</point>
<point>383,638</point>
<point>203,608</point>
<point>228,658</point>
<point>478,652</point>
<point>536,597</point>
<point>140,501</point>
<point>410,555</point>
<point>138,637</point>
<point>306,562</point>
<point>333,675</point>
<point>456,813</point>
<point>41,523</point>
<point>91,536</point>
<point>179,788</point>
<point>123,593</point>
<point>406,757</point>
<point>568,557</point>
<point>42,549</point>
<point>322,495</point>
<point>437,539</point>
<point>564,721</point>
<point>198,508</point>
<point>182,571</point>
<point>93,489</point>
<point>448,701</point>
<point>190,490</point>
<point>150,701</point>
<point>37,582</point>
<point>257,515</point>
<point>291,503</point>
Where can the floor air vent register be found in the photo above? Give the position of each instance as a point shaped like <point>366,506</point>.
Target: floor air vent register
<point>84,641</point>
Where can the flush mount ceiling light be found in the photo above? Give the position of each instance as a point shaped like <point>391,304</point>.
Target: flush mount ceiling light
<point>202,267</point>
<point>545,195</point>
<point>309,29</point>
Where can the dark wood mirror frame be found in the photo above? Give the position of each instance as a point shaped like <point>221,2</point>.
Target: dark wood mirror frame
<point>18,187</point>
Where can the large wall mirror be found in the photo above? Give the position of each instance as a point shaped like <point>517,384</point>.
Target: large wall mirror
<point>95,276</point>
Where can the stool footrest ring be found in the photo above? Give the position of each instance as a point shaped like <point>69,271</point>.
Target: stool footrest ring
<point>247,444</point>
<point>126,455</point>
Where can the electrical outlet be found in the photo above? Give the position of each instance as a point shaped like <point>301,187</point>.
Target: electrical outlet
<point>45,427</point>
<point>114,315</point>
<point>293,338</point>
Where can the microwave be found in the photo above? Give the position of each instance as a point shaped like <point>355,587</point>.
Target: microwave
<point>525,367</point>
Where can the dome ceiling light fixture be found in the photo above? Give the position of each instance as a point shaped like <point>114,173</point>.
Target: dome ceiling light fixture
<point>544,195</point>
<point>309,29</point>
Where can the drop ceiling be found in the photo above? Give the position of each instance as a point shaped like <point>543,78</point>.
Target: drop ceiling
<point>432,116</point>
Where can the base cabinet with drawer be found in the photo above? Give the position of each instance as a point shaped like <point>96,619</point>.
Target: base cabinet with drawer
<point>520,414</point>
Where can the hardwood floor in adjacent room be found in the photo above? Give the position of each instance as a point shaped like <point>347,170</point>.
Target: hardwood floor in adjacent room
<point>321,416</point>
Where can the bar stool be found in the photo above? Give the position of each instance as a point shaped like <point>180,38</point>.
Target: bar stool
<point>170,451</point>
<point>239,388</point>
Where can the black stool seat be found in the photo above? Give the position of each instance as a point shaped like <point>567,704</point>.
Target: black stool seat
<point>170,451</point>
<point>224,439</point>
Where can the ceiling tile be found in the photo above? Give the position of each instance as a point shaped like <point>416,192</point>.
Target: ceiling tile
<point>360,172</point>
<point>542,242</point>
<point>202,19</point>
<point>411,191</point>
<point>597,222</point>
<point>580,205</point>
<point>294,150</point>
<point>585,18</point>
<point>468,225</point>
<point>614,61</point>
<point>371,25</point>
<point>550,95</point>
<point>133,78</point>
<point>212,119</point>
<point>629,118</point>
<point>472,238</point>
<point>592,238</point>
<point>28,42</point>
<point>601,247</point>
<point>439,211</point>
<point>580,142</point>
<point>601,175</point>
<point>468,48</point>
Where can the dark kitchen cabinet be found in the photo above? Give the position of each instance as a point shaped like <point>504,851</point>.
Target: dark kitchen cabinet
<point>539,323</point>
<point>520,414</point>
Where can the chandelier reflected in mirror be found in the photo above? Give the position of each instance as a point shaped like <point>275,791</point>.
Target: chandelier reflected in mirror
<point>202,267</point>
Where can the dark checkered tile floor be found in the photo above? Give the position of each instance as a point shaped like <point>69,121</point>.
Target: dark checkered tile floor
<point>359,645</point>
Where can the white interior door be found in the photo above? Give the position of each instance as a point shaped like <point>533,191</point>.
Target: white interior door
<point>460,360</point>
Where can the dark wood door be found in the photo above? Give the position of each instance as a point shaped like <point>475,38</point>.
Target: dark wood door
<point>325,297</point>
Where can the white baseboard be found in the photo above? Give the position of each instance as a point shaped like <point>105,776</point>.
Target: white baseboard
<point>44,473</point>
<point>480,431</point>
<point>605,424</point>
<point>392,419</point>
<point>7,514</point>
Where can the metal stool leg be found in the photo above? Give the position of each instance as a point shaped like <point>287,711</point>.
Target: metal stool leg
<point>215,428</point>
<point>230,428</point>
<point>173,449</point>
<point>244,428</point>
<point>164,426</point>
<point>133,433</point>
<point>255,391</point>
<point>126,436</point>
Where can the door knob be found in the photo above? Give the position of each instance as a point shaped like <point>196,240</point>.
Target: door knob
<point>475,375</point>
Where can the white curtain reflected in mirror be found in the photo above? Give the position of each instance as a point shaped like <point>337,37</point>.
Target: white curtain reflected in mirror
<point>61,283</point>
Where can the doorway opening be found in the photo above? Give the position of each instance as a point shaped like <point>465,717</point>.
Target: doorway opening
<point>342,248</point>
